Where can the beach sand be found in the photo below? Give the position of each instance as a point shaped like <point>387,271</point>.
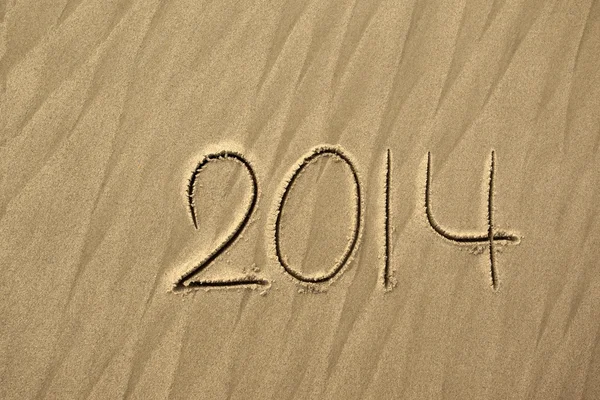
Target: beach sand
<point>299,199</point>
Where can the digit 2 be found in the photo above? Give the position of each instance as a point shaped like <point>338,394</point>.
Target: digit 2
<point>231,238</point>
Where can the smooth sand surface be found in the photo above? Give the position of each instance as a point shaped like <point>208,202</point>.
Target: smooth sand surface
<point>193,199</point>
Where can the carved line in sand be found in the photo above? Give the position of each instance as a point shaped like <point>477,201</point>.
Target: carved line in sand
<point>386,255</point>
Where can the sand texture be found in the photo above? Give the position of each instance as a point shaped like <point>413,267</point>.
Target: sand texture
<point>317,199</point>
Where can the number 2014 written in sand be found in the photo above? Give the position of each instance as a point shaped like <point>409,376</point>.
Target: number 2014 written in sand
<point>487,240</point>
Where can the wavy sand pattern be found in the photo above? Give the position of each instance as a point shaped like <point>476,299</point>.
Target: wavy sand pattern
<point>147,145</point>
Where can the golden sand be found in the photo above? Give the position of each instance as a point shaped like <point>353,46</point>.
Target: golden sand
<point>299,199</point>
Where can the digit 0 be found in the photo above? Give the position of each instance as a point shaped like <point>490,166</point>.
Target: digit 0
<point>320,151</point>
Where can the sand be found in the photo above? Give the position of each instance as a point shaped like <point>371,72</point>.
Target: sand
<point>299,199</point>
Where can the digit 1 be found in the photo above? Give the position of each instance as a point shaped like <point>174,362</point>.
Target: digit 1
<point>387,231</point>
